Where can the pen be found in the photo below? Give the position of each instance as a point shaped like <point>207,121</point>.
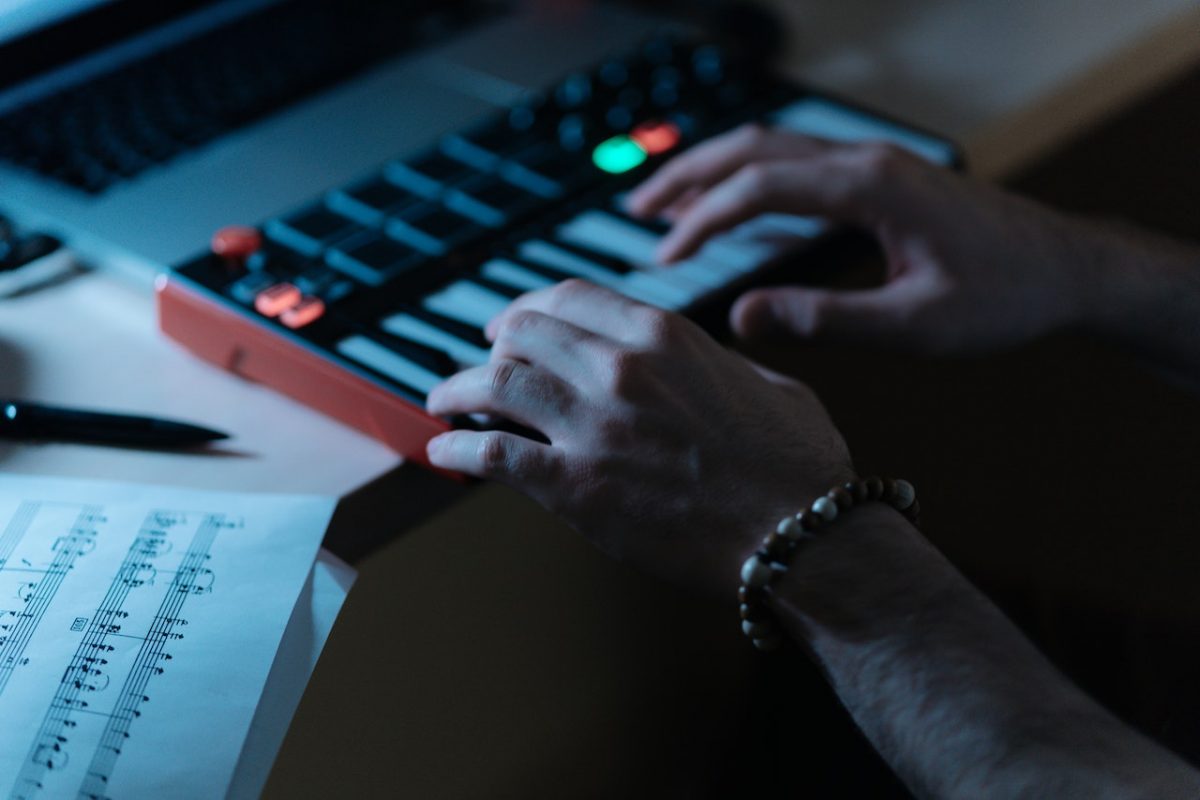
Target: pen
<point>21,420</point>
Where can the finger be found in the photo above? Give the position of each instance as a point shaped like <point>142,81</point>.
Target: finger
<point>869,316</point>
<point>680,206</point>
<point>522,463</point>
<point>510,389</point>
<point>832,185</point>
<point>713,161</point>
<point>548,342</point>
<point>579,303</point>
<point>777,378</point>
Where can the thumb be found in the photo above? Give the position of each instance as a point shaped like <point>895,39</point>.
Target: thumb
<point>849,316</point>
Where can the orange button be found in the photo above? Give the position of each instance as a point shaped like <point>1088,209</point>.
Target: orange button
<point>236,243</point>
<point>656,137</point>
<point>274,300</point>
<point>308,310</point>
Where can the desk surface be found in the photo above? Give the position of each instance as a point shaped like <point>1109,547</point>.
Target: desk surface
<point>489,651</point>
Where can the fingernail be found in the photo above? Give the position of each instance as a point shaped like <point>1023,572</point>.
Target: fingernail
<point>434,445</point>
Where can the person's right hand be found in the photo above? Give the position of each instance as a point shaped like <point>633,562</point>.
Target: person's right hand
<point>970,267</point>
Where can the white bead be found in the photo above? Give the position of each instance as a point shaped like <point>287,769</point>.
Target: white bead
<point>757,630</point>
<point>825,508</point>
<point>755,573</point>
<point>905,495</point>
<point>790,529</point>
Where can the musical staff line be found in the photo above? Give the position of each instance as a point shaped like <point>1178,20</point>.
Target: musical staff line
<point>184,584</point>
<point>49,744</point>
<point>67,550</point>
<point>122,613</point>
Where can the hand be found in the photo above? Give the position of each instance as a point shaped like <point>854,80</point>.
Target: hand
<point>969,267</point>
<point>664,447</point>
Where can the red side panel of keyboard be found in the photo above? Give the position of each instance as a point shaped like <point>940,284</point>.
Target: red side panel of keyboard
<point>231,342</point>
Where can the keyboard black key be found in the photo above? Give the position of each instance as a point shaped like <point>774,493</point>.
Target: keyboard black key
<point>433,229</point>
<point>657,227</point>
<point>374,200</point>
<point>468,333</point>
<point>312,230</point>
<point>430,358</point>
<point>373,258</point>
<point>499,288</point>
<point>414,366</point>
<point>600,259</point>
<point>540,269</point>
<point>415,329</point>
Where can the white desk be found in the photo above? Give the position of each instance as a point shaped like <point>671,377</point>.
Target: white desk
<point>520,658</point>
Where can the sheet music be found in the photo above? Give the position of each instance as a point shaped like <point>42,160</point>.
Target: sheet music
<point>312,620</point>
<point>138,626</point>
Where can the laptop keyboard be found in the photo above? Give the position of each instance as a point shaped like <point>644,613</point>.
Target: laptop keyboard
<point>396,275</point>
<point>94,135</point>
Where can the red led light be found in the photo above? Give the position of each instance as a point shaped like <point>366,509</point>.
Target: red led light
<point>656,137</point>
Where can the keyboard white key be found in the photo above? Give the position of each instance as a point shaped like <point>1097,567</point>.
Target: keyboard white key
<point>637,285</point>
<point>514,275</point>
<point>545,253</point>
<point>817,117</point>
<point>466,302</point>
<point>417,330</point>
<point>649,289</point>
<point>388,362</point>
<point>613,236</point>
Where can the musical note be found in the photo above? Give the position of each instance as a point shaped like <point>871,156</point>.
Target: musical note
<point>107,601</point>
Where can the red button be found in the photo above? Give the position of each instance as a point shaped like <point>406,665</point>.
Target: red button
<point>274,300</point>
<point>307,311</point>
<point>236,243</point>
<point>656,137</point>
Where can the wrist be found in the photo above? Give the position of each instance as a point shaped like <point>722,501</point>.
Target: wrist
<point>869,575</point>
<point>1123,278</point>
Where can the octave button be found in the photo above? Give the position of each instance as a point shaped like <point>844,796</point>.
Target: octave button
<point>275,299</point>
<point>305,312</point>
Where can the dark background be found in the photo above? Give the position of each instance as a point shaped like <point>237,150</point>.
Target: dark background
<point>1061,478</point>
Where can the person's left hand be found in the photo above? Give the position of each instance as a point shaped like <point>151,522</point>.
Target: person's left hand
<point>665,448</point>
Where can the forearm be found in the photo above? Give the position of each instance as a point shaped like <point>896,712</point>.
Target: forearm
<point>950,693</point>
<point>1142,292</point>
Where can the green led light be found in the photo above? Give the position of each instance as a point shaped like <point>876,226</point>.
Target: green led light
<point>618,154</point>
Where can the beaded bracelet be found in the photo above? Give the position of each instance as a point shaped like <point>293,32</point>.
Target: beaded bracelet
<point>772,559</point>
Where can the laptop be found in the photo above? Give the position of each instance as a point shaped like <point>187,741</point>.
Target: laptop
<point>133,129</point>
